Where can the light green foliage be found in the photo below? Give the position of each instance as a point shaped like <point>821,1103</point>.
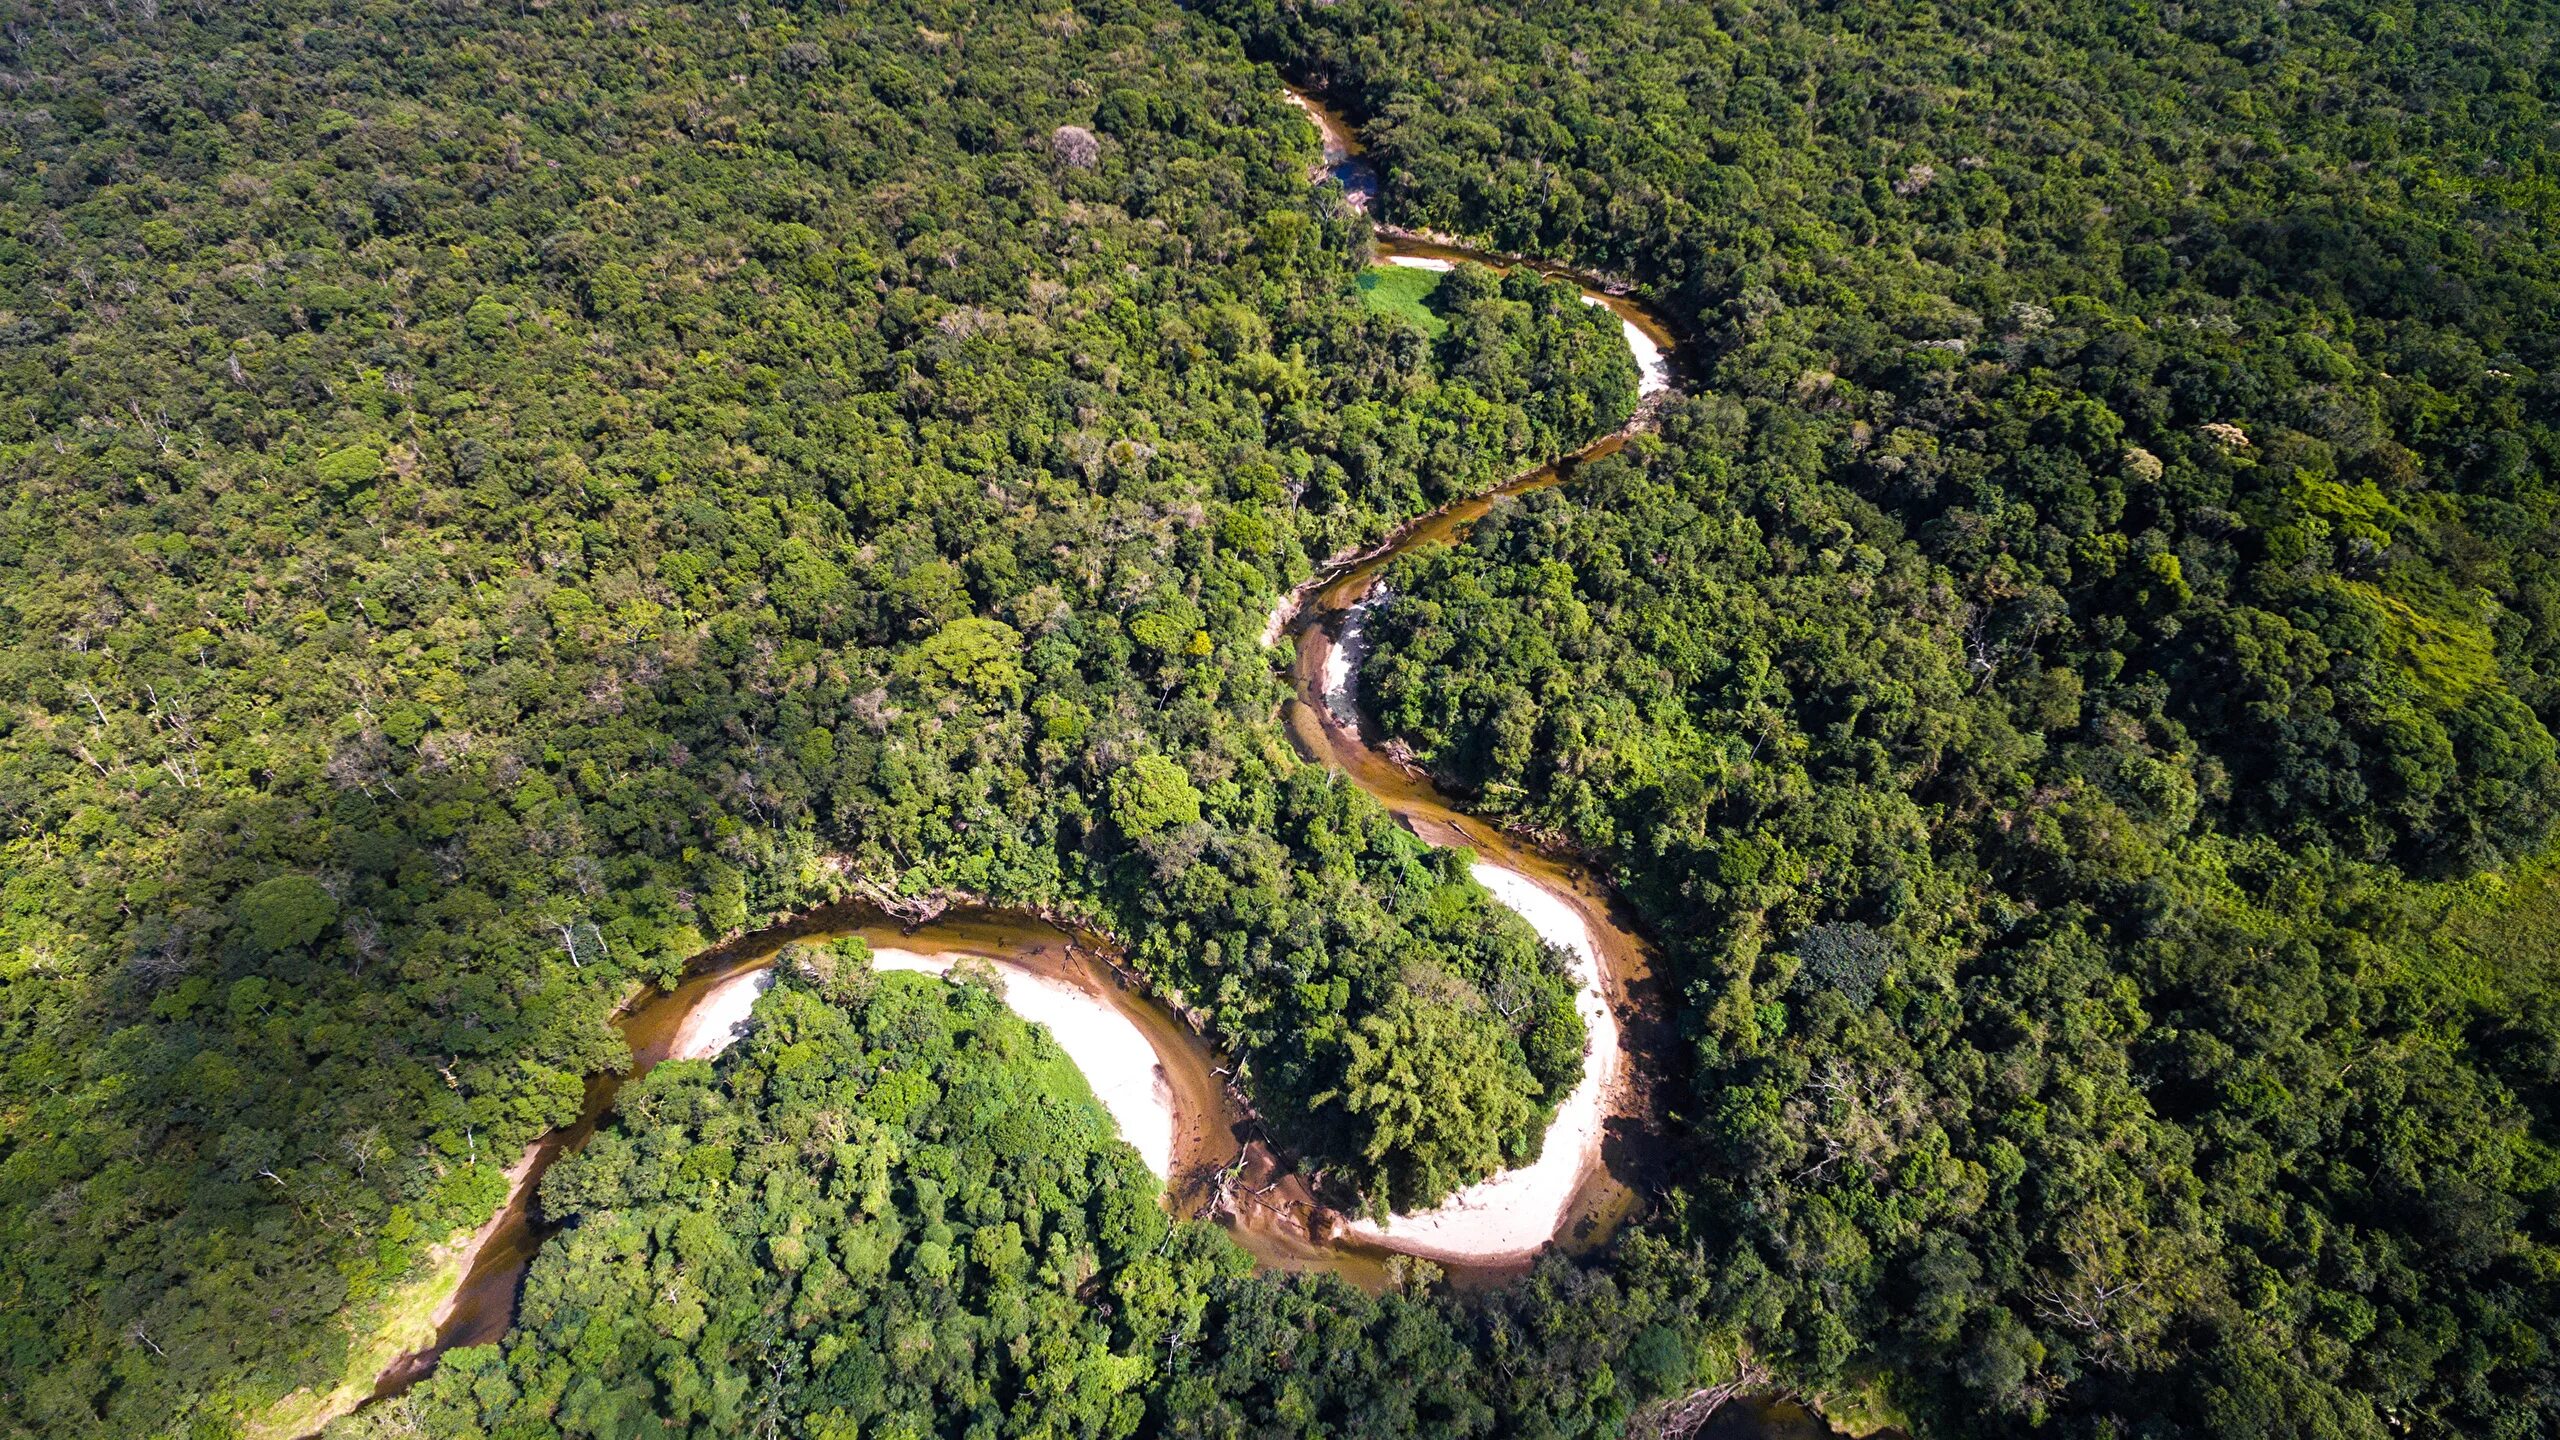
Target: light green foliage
<point>973,656</point>
<point>1150,794</point>
<point>1404,292</point>
<point>2144,404</point>
<point>1865,862</point>
<point>759,1239</point>
<point>491,495</point>
<point>571,472</point>
<point>343,473</point>
<point>1438,1105</point>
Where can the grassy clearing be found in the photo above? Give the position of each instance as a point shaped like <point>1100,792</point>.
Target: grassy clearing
<point>407,1322</point>
<point>2501,932</point>
<point>1405,293</point>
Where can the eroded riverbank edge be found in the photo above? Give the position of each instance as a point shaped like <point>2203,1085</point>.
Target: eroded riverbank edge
<point>1217,1162</point>
<point>1752,1406</point>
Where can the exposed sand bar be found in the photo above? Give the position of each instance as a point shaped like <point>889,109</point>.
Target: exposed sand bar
<point>1114,1054</point>
<point>1517,1211</point>
<point>720,1020</point>
<point>1116,1057</point>
<point>1653,364</point>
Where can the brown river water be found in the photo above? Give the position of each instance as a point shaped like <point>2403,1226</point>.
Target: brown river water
<point>1221,1166</point>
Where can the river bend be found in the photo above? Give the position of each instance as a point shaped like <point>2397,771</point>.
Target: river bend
<point>1169,1096</point>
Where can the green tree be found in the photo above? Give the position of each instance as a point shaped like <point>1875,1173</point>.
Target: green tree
<point>285,912</point>
<point>1151,794</point>
<point>972,655</point>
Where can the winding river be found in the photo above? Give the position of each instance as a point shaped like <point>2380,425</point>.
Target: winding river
<point>1178,1111</point>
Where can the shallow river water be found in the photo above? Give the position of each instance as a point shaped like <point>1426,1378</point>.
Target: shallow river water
<point>1170,1098</point>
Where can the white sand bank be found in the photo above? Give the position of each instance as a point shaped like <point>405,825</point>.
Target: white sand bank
<point>719,1019</point>
<point>1653,368</point>
<point>1517,1211</point>
<point>1423,262</point>
<point>1114,1054</point>
<point>1335,142</point>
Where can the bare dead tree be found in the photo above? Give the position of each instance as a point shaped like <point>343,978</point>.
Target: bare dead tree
<point>1682,1418</point>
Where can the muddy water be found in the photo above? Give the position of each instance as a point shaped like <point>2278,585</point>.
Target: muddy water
<point>1331,733</point>
<point>1325,614</point>
<point>1220,1165</point>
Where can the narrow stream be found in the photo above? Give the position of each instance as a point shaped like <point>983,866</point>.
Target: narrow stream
<point>1205,1124</point>
<point>1327,615</point>
<point>1218,1164</point>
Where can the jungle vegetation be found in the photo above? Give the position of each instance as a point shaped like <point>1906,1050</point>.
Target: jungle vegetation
<point>499,498</point>
<point>2073,687</point>
<point>893,1210</point>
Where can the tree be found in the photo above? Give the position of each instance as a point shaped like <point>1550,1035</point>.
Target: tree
<point>1433,1098</point>
<point>285,912</point>
<point>972,655</point>
<point>1151,794</point>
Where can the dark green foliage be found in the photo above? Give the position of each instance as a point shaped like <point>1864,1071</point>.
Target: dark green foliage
<point>494,498</point>
<point>2040,689</point>
<point>1316,928</point>
<point>1847,958</point>
<point>892,1210</point>
<point>2013,1074</point>
<point>498,497</point>
<point>2208,349</point>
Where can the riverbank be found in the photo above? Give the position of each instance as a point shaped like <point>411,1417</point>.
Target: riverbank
<point>1114,1055</point>
<point>1163,1083</point>
<point>1117,1060</point>
<point>1516,1213</point>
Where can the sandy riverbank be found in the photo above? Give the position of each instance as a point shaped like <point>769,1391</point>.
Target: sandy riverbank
<point>1114,1054</point>
<point>720,1021</point>
<point>1517,1211</point>
<point>1653,363</point>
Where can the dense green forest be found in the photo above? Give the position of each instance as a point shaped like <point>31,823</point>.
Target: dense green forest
<point>893,1212</point>
<point>500,497</point>
<point>866,1215</point>
<point>2222,335</point>
<point>2074,689</point>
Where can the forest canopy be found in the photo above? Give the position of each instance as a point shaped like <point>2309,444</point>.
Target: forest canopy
<point>2220,337</point>
<point>2074,685</point>
<point>497,500</point>
<point>893,1210</point>
<point>501,498</point>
